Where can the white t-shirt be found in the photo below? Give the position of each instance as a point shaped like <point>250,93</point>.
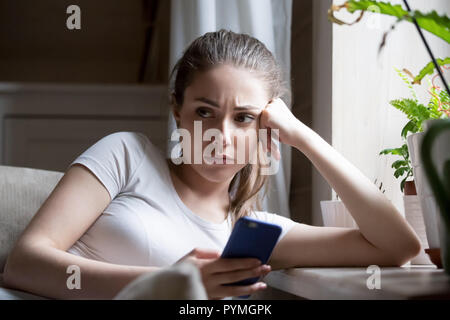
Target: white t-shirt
<point>146,223</point>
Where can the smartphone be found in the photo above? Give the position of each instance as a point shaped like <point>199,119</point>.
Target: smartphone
<point>251,238</point>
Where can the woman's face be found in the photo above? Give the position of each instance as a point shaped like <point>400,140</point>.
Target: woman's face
<point>230,100</point>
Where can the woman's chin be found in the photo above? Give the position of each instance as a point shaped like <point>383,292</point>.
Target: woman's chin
<point>218,172</point>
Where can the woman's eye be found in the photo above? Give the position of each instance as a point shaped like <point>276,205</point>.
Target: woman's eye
<point>204,113</point>
<point>245,118</point>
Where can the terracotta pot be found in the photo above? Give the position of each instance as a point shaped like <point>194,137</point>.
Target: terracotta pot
<point>410,188</point>
<point>435,256</point>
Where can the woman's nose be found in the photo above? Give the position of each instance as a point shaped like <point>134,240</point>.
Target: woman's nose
<point>227,131</point>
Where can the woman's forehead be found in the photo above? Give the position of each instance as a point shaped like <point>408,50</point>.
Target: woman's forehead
<point>227,84</point>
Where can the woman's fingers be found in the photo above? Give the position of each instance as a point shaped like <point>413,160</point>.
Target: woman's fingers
<point>277,116</point>
<point>205,253</point>
<point>234,276</point>
<point>270,146</point>
<point>232,264</point>
<point>217,271</point>
<point>234,291</point>
<point>200,256</point>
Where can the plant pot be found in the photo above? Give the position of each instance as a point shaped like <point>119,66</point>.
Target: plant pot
<point>414,216</point>
<point>435,256</point>
<point>427,202</point>
<point>410,188</point>
<point>335,214</point>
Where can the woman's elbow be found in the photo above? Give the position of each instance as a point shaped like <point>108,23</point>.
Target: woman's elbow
<point>13,271</point>
<point>8,274</point>
<point>408,251</point>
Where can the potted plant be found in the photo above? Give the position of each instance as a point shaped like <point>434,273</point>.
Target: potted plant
<point>419,115</point>
<point>409,166</point>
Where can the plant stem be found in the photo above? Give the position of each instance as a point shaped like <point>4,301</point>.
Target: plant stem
<point>428,48</point>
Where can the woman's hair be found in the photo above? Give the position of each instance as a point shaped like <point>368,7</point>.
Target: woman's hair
<point>242,51</point>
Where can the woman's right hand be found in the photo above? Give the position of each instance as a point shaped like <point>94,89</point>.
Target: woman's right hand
<point>216,272</point>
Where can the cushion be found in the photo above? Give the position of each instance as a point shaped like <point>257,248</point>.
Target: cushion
<point>22,192</point>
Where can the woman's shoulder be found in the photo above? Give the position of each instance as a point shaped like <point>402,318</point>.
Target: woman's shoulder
<point>130,138</point>
<point>133,146</point>
<point>131,143</point>
<point>115,158</point>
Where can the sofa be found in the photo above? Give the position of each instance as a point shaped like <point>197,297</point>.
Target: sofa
<point>22,192</point>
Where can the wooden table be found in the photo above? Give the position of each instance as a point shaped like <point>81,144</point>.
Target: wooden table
<point>406,282</point>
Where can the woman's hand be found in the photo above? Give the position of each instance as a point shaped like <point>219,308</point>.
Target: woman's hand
<point>277,115</point>
<point>218,271</point>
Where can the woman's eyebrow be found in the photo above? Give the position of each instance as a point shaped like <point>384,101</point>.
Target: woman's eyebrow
<point>215,104</point>
<point>206,100</point>
<point>246,107</point>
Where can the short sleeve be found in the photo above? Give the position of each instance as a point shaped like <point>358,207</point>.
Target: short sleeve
<point>285,223</point>
<point>114,159</point>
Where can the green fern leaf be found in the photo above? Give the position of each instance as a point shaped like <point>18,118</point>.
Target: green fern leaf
<point>393,151</point>
<point>409,127</point>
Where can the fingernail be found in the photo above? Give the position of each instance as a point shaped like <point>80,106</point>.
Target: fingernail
<point>263,285</point>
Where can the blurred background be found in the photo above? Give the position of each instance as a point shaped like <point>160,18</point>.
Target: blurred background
<point>61,90</point>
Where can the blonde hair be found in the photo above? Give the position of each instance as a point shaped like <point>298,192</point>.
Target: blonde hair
<point>239,50</point>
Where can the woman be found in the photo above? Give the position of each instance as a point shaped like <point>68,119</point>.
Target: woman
<point>122,209</point>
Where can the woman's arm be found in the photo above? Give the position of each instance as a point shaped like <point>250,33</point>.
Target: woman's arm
<point>38,262</point>
<point>378,220</point>
<point>42,269</point>
<point>384,236</point>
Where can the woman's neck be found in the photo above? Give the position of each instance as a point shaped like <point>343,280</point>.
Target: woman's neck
<point>193,187</point>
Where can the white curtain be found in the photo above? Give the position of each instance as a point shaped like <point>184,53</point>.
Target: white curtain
<point>267,20</point>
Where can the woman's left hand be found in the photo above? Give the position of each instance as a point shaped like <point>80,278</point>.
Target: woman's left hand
<point>276,115</point>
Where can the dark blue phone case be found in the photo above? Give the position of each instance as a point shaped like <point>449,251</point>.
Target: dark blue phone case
<point>251,238</point>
